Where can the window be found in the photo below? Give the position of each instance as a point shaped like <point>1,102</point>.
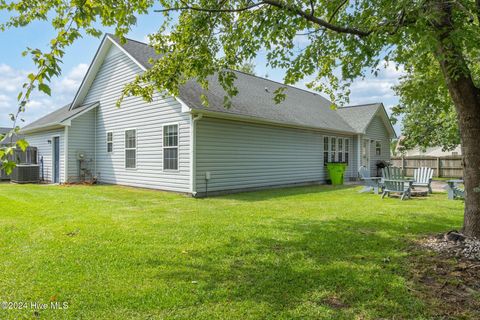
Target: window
<point>340,150</point>
<point>347,150</point>
<point>378,148</point>
<point>336,149</point>
<point>109,142</point>
<point>333,147</point>
<point>131,149</point>
<point>170,147</point>
<point>325,150</point>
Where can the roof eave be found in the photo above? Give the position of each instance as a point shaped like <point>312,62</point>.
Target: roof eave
<point>252,119</point>
<point>50,126</point>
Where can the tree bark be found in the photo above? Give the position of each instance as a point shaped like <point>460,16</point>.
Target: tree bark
<point>466,97</point>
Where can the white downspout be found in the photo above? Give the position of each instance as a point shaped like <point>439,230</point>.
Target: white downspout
<point>65,156</point>
<point>359,151</point>
<point>95,145</point>
<point>193,150</point>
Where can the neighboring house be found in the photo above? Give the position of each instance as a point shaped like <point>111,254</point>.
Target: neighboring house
<point>436,152</point>
<point>177,144</point>
<point>8,140</point>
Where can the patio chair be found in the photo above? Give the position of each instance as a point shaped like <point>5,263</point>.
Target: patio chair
<point>392,173</point>
<point>401,187</point>
<point>370,183</point>
<point>454,191</point>
<point>423,178</point>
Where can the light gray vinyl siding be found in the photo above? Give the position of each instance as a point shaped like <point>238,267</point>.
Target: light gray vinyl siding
<point>81,138</point>
<point>378,132</point>
<point>242,155</point>
<point>45,150</point>
<point>353,165</point>
<point>147,119</point>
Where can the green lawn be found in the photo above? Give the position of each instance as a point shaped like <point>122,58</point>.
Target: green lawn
<point>122,253</point>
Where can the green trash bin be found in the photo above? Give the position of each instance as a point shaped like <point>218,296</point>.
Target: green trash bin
<point>336,172</point>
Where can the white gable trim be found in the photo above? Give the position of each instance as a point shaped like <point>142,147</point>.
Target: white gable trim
<point>95,66</point>
<point>91,73</point>
<point>126,53</point>
<point>68,121</point>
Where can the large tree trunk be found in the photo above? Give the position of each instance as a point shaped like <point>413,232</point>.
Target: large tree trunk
<point>466,97</point>
<point>467,102</point>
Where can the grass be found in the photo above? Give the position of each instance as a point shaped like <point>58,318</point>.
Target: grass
<point>114,252</point>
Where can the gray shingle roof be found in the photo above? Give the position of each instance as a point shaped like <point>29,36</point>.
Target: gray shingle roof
<point>56,117</point>
<point>359,117</point>
<point>7,140</point>
<point>255,100</point>
<point>255,97</point>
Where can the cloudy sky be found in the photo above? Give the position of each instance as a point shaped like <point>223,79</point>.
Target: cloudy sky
<point>14,69</point>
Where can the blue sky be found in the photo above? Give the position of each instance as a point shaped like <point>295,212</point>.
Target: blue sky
<point>14,68</point>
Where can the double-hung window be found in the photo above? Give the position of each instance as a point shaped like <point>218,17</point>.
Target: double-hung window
<point>336,149</point>
<point>325,149</point>
<point>340,150</point>
<point>109,142</point>
<point>170,147</point>
<point>378,148</point>
<point>333,148</point>
<point>131,149</point>
<point>347,150</point>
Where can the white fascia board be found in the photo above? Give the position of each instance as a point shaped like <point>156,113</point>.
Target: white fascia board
<point>68,121</point>
<point>91,72</point>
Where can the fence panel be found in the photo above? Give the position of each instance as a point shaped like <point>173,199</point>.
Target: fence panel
<point>445,167</point>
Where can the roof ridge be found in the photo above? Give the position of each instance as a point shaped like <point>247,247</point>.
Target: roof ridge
<point>361,105</point>
<point>283,84</point>
<point>129,39</point>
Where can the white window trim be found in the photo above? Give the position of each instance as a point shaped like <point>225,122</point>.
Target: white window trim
<point>178,146</point>
<point>381,147</point>
<point>345,150</point>
<point>337,150</point>
<point>106,144</point>
<point>125,148</point>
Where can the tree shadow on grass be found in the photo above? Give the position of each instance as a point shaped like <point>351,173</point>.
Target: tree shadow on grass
<point>305,266</point>
<point>262,195</point>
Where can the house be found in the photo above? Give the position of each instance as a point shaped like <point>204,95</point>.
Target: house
<point>8,140</point>
<point>177,144</point>
<point>18,155</point>
<point>436,152</point>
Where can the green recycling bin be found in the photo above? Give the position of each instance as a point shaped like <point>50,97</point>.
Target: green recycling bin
<point>336,172</point>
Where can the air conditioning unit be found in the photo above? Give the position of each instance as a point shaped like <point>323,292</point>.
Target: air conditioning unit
<point>26,173</point>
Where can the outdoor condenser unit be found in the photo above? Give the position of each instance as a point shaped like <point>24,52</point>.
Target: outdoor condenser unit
<point>26,173</point>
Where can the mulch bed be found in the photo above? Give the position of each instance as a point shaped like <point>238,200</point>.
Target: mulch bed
<point>445,272</point>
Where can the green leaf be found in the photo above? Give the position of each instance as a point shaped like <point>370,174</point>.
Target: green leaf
<point>23,144</point>
<point>45,88</point>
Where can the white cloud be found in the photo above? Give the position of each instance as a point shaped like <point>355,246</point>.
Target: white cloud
<point>63,90</point>
<point>70,83</point>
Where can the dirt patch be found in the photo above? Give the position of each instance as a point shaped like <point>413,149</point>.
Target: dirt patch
<point>335,303</point>
<point>446,276</point>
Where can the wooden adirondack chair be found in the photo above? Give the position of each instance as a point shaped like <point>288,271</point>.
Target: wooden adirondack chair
<point>423,178</point>
<point>396,186</point>
<point>370,183</point>
<point>392,173</point>
<point>454,191</point>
